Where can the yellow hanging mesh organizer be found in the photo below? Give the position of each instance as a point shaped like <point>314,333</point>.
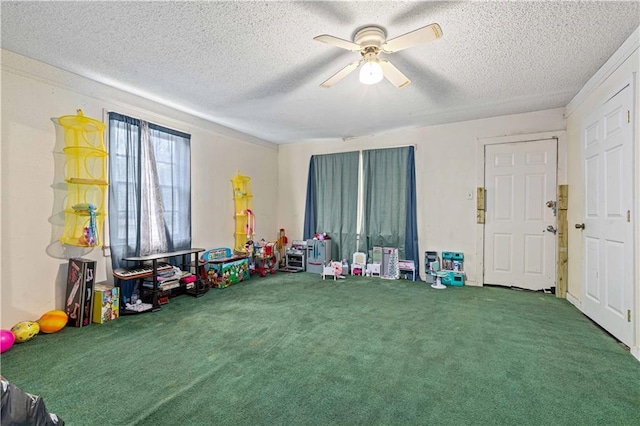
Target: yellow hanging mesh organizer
<point>86,178</point>
<point>245,218</point>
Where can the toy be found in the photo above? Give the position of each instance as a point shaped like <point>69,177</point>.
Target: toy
<point>282,246</point>
<point>295,257</point>
<point>106,306</point>
<point>407,267</point>
<point>25,331</point>
<point>337,267</point>
<point>327,270</point>
<point>359,264</point>
<point>89,235</point>
<point>265,258</point>
<point>223,269</point>
<point>434,270</point>
<point>80,280</point>
<point>53,321</point>
<point>333,269</point>
<point>345,266</point>
<point>373,270</point>
<point>7,338</point>
<point>318,255</point>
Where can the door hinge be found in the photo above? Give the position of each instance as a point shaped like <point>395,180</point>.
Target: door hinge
<point>628,116</point>
<point>628,315</point>
<point>628,215</point>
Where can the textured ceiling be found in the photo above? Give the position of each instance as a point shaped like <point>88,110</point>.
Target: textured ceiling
<point>254,66</point>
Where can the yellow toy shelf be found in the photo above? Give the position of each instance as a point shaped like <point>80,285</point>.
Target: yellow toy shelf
<point>86,178</point>
<point>245,219</point>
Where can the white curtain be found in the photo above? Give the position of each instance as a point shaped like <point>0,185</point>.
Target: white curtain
<point>153,238</point>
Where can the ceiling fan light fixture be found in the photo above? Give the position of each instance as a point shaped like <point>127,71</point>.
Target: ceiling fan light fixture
<point>371,73</point>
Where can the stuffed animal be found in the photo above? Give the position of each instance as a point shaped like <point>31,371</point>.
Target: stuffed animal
<point>337,269</point>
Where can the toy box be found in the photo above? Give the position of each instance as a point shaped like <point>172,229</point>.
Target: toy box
<point>222,275</point>
<point>223,269</point>
<point>106,303</point>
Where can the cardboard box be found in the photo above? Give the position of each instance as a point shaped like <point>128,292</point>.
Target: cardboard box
<point>106,303</point>
<point>80,279</point>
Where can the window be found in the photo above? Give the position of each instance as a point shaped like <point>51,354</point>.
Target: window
<point>387,200</point>
<point>150,188</point>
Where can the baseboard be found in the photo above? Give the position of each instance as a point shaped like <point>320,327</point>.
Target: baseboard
<point>575,302</point>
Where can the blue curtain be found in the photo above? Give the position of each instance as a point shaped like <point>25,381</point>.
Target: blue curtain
<point>172,164</point>
<point>389,202</point>
<point>124,188</point>
<point>411,237</point>
<point>332,201</point>
<point>310,206</point>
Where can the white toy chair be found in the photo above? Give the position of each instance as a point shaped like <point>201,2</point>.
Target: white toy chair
<point>332,269</point>
<point>328,270</point>
<point>438,274</point>
<point>359,263</point>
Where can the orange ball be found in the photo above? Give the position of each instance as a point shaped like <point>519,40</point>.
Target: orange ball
<point>53,321</point>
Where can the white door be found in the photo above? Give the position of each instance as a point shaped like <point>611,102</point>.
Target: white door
<point>608,233</point>
<point>520,178</point>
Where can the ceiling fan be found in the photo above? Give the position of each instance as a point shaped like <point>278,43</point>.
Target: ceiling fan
<point>369,42</point>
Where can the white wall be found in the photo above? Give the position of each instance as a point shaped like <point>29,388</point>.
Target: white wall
<point>623,65</point>
<point>33,265</point>
<point>445,173</point>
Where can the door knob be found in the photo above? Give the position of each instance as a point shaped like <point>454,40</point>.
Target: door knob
<point>579,225</point>
<point>551,229</point>
<point>552,205</point>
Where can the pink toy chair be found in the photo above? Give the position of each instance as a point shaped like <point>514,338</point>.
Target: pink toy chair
<point>359,263</point>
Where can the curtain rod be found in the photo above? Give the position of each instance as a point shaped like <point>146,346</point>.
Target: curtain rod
<point>157,117</point>
<point>415,147</point>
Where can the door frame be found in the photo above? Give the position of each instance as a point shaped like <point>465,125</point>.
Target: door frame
<point>561,178</point>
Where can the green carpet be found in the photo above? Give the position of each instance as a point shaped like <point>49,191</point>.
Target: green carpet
<point>293,349</point>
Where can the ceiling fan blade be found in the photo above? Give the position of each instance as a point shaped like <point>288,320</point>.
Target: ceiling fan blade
<point>338,42</point>
<point>421,35</point>
<point>394,75</point>
<point>340,74</point>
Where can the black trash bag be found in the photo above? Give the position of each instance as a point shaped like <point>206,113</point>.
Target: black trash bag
<point>22,408</point>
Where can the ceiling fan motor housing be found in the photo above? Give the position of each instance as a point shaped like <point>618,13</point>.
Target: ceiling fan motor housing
<point>370,37</point>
